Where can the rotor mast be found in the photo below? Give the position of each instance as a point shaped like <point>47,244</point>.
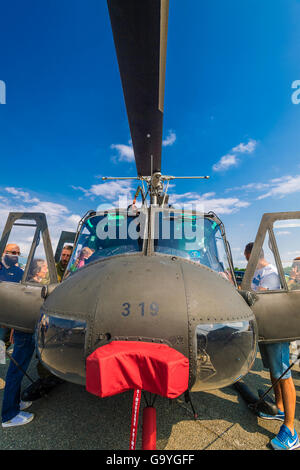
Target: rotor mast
<point>158,194</point>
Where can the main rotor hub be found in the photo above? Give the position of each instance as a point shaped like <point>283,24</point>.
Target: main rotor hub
<point>155,183</point>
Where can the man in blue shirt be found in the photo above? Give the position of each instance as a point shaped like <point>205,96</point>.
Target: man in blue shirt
<point>9,271</point>
<point>13,407</point>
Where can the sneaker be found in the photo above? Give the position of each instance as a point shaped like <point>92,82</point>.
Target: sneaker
<point>19,420</point>
<point>285,440</point>
<point>279,416</point>
<point>25,404</point>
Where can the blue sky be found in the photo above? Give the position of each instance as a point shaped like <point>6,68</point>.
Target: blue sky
<point>228,110</point>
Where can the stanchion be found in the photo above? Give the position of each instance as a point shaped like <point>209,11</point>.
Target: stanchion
<point>135,418</point>
<point>149,428</point>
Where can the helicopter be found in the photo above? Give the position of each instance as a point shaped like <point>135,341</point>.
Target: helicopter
<point>149,300</point>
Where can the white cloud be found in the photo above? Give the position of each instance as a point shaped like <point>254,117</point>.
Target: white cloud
<point>209,202</point>
<point>19,194</point>
<point>283,232</point>
<point>110,190</point>
<point>281,187</point>
<point>291,223</point>
<point>226,162</point>
<point>245,148</point>
<point>125,153</point>
<point>250,187</point>
<point>230,159</point>
<point>58,216</point>
<point>277,187</point>
<point>170,139</point>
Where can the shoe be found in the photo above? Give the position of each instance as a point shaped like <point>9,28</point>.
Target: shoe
<point>19,420</point>
<point>285,440</point>
<point>25,404</point>
<point>279,416</point>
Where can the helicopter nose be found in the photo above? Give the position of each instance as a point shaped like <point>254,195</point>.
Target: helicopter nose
<point>156,299</point>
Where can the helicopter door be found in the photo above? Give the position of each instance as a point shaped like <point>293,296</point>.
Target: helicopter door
<point>273,273</point>
<point>65,238</point>
<point>27,264</point>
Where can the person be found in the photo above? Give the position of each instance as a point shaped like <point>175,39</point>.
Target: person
<point>9,269</point>
<point>9,272</point>
<point>294,281</point>
<point>46,380</point>
<point>13,407</point>
<point>63,262</point>
<point>275,357</point>
<point>84,254</point>
<point>38,272</point>
<point>294,284</point>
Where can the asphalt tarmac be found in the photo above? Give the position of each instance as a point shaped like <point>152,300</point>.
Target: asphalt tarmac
<point>70,418</point>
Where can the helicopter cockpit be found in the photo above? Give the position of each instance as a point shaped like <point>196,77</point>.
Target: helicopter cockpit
<point>197,237</point>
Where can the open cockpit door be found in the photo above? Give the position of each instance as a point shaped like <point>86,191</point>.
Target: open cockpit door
<point>273,273</point>
<point>27,265</point>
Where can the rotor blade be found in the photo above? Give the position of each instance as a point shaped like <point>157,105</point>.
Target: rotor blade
<point>140,35</point>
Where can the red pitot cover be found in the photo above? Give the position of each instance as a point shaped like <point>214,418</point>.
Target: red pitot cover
<point>123,365</point>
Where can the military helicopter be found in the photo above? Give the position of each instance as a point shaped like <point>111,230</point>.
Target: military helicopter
<point>149,300</point>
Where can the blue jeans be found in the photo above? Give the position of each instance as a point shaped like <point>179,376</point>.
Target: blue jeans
<point>24,346</point>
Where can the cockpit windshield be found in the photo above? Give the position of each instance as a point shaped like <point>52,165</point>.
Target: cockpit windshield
<point>106,235</point>
<point>193,237</point>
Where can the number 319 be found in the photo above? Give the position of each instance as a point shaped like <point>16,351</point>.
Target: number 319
<point>127,309</point>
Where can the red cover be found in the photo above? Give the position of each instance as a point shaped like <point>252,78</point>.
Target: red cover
<point>123,365</point>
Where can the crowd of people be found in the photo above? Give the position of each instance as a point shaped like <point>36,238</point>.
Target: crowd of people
<point>275,356</point>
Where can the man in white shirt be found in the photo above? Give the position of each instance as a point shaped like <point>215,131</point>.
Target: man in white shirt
<point>265,277</point>
<point>275,357</point>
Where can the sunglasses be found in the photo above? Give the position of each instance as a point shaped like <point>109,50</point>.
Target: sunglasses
<point>13,253</point>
